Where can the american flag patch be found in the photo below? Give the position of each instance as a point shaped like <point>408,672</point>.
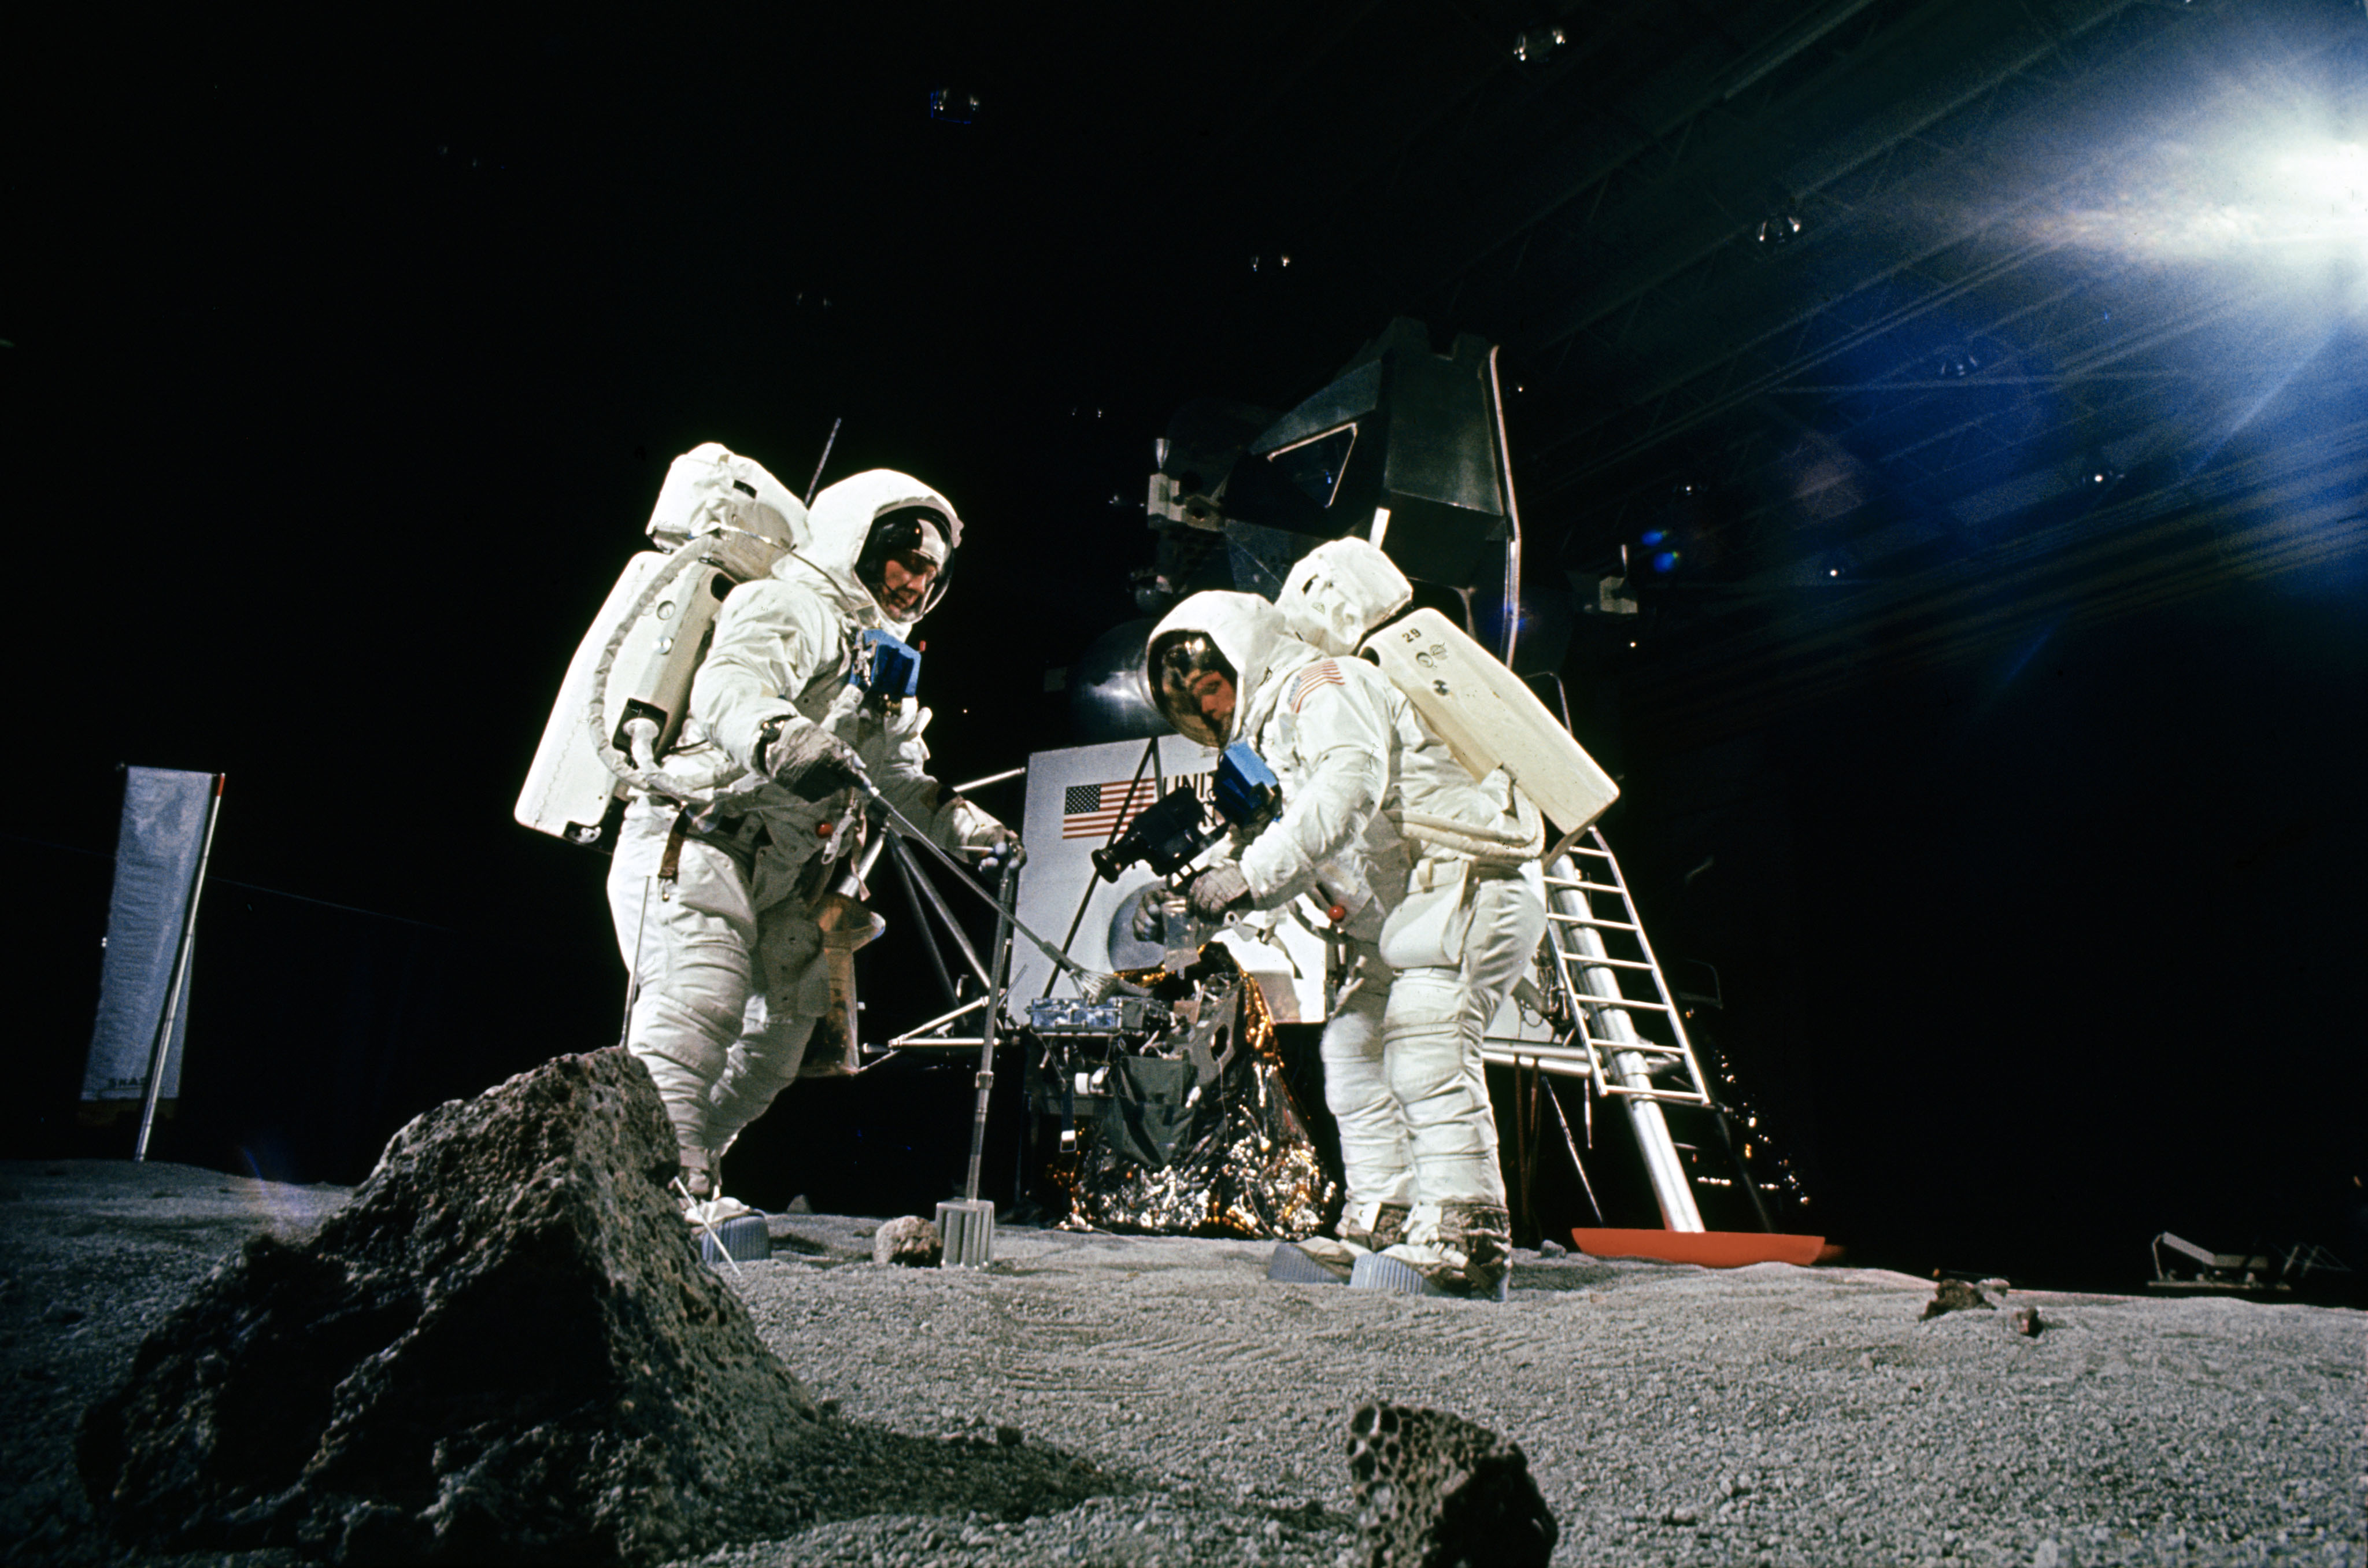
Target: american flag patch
<point>1097,811</point>
<point>1325,673</point>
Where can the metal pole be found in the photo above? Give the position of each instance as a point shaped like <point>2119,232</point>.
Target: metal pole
<point>1563,1122</point>
<point>987,1023</point>
<point>1000,778</point>
<point>937,902</point>
<point>634,980</point>
<point>905,874</point>
<point>815,484</point>
<point>1512,517</point>
<point>1085,899</point>
<point>162,1047</point>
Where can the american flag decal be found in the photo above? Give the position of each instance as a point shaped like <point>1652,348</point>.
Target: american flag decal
<point>1325,673</point>
<point>1097,810</point>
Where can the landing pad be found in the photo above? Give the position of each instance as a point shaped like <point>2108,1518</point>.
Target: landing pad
<point>1712,1249</point>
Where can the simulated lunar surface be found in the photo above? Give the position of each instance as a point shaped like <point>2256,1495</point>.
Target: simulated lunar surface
<point>1670,1415</point>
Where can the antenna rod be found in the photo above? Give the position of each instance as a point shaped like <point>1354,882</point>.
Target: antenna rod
<point>815,484</point>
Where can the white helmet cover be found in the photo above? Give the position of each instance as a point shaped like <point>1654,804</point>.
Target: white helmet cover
<point>1244,629</point>
<point>1339,592</point>
<point>840,523</point>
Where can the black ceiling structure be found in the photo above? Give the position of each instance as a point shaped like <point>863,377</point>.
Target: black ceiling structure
<point>1830,295</point>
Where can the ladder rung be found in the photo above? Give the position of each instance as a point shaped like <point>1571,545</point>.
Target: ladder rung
<point>1588,887</point>
<point>1675,1097</point>
<point>1590,920</point>
<point>1586,961</point>
<point>1586,999</point>
<point>1641,1047</point>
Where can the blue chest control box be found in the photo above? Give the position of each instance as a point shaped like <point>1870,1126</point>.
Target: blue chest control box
<point>1246,788</point>
<point>886,668</point>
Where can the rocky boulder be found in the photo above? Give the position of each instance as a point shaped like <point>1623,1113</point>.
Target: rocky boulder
<point>505,1349</point>
<point>1436,1491</point>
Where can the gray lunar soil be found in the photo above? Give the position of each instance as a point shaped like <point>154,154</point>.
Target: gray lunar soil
<point>1672,1415</point>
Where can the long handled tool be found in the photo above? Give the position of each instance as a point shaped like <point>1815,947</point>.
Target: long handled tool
<point>1096,985</point>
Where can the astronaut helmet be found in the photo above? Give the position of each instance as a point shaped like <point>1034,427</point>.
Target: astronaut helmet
<point>1204,660</point>
<point>881,542</point>
<point>1182,664</point>
<point>906,559</point>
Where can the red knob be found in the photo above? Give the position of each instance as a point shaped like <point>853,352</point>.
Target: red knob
<point>1338,912</point>
<point>822,830</point>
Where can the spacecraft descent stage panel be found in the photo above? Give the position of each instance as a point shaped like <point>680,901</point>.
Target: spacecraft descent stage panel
<point>1076,797</point>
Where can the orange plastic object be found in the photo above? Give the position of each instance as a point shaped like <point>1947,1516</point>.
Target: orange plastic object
<point>1337,913</point>
<point>822,830</point>
<point>1712,1249</point>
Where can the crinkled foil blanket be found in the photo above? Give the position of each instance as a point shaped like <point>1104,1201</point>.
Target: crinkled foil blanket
<point>1246,1166</point>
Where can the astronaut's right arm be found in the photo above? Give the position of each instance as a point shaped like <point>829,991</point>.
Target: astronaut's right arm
<point>771,638</point>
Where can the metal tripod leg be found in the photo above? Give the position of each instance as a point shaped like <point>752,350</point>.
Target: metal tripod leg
<point>967,1227</point>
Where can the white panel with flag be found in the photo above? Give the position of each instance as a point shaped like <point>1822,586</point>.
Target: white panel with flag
<point>1078,798</point>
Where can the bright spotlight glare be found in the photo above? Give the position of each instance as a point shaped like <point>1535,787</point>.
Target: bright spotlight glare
<point>2303,202</point>
<point>2326,192</point>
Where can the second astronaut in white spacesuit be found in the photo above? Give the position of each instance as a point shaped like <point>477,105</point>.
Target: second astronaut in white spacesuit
<point>716,902</point>
<point>1433,876</point>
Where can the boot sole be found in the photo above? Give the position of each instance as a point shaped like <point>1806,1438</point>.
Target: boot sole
<point>1375,1272</point>
<point>745,1240</point>
<point>1293,1265</point>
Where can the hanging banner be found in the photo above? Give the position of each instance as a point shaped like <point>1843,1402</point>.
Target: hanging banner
<point>158,853</point>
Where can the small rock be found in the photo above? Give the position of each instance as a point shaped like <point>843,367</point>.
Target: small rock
<point>2048,1555</point>
<point>1953,1296</point>
<point>1681,1516</point>
<point>798,1205</point>
<point>1552,1248</point>
<point>911,1241</point>
<point>2026,1320</point>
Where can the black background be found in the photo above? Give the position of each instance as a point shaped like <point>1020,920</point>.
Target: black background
<point>345,366</point>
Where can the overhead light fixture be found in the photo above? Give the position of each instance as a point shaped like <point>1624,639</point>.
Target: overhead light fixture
<point>955,106</point>
<point>1533,45</point>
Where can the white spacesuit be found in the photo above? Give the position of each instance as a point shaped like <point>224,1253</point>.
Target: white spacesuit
<point>716,902</point>
<point>1433,876</point>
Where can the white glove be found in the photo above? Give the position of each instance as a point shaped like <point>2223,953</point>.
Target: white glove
<point>1216,891</point>
<point>809,761</point>
<point>975,832</point>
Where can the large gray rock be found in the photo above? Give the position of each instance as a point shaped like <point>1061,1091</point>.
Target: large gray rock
<point>1436,1491</point>
<point>505,1349</point>
<point>911,1241</point>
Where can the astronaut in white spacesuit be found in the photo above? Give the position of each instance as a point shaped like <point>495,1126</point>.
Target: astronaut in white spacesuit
<point>716,902</point>
<point>1433,877</point>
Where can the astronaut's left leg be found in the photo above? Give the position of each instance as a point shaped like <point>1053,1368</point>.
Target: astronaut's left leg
<point>1458,1228</point>
<point>1358,1092</point>
<point>791,991</point>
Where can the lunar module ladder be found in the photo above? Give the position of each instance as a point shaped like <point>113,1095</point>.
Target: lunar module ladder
<point>1601,991</point>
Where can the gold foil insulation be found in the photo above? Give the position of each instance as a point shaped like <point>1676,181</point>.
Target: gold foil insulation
<point>1246,1165</point>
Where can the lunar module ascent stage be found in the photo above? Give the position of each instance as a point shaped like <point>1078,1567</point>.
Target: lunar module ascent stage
<point>1158,1097</point>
